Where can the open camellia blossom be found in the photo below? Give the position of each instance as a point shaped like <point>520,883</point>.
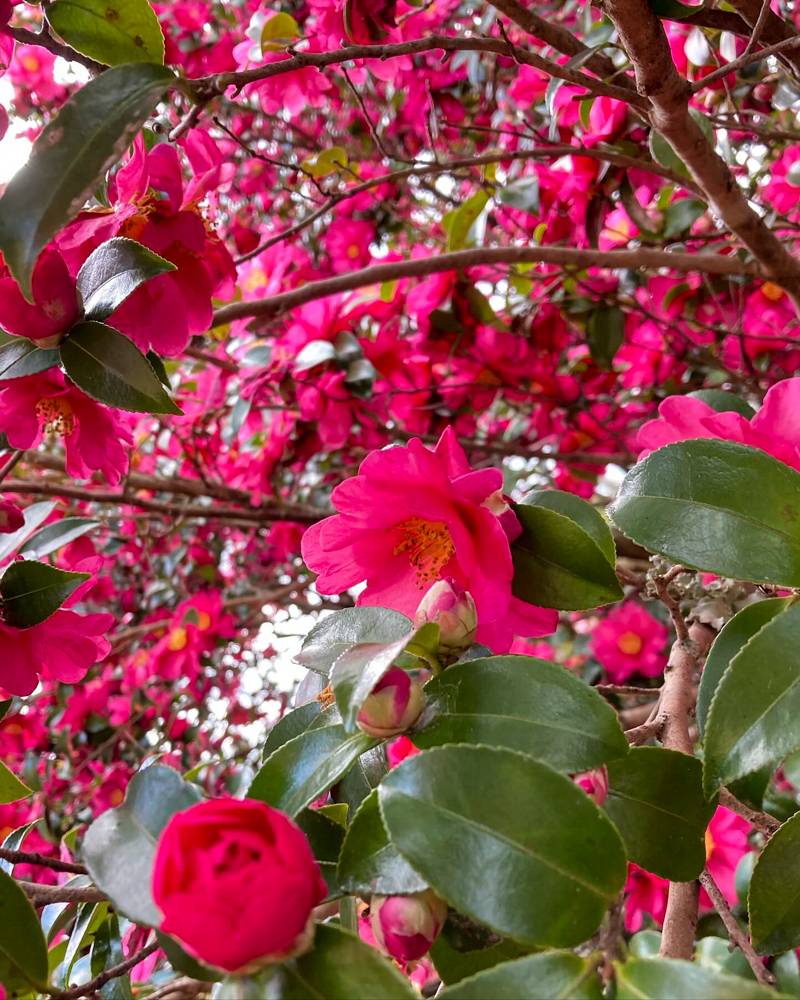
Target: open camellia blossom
<point>55,300</point>
<point>237,883</point>
<point>413,516</point>
<point>629,640</point>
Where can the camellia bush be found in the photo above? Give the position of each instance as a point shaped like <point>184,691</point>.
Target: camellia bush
<point>399,499</point>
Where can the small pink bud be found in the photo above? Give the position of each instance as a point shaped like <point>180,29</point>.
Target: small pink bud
<point>405,927</point>
<point>594,783</point>
<point>393,706</point>
<point>452,608</point>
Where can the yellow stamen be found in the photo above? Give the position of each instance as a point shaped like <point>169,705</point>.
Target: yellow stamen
<point>177,639</point>
<point>630,643</point>
<point>55,415</point>
<point>710,845</point>
<point>429,546</point>
<point>772,291</point>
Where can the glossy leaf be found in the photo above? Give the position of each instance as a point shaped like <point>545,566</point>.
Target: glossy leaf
<point>754,719</point>
<point>774,897</point>
<point>119,847</point>
<point>11,788</point>
<point>292,724</point>
<point>329,638</point>
<point>522,703</point>
<point>534,977</point>
<point>724,402</point>
<point>367,773</point>
<point>35,515</point>
<point>185,963</point>
<point>325,837</point>
<point>107,952</point>
<point>109,31</point>
<point>369,863</point>
<point>605,334</point>
<point>110,368</point>
<point>74,149</point>
<point>33,591</point>
<point>506,840</point>
<point>114,270</point>
<point>305,767</point>
<point>340,967</point>
<point>22,357</point>
<point>54,536</point>
<point>454,965</point>
<point>655,800</point>
<point>21,941</point>
<point>558,565</point>
<point>673,979</point>
<point>579,511</point>
<point>79,937</point>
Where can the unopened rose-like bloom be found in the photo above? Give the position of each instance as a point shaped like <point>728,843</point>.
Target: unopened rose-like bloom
<point>594,783</point>
<point>413,516</point>
<point>237,883</point>
<point>450,607</point>
<point>630,641</point>
<point>393,706</point>
<point>405,927</point>
<point>55,302</point>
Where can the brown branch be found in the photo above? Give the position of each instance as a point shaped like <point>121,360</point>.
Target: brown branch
<point>10,465</point>
<point>746,59</point>
<point>43,895</point>
<point>459,259</point>
<point>763,822</point>
<point>737,936</point>
<point>46,41</point>
<point>27,858</point>
<point>86,989</point>
<point>773,28</point>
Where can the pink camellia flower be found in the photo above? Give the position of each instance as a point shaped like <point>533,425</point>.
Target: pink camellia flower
<point>630,641</point>
<point>94,436</point>
<point>412,516</point>
<point>774,429</point>
<point>11,517</point>
<point>347,242</point>
<point>55,307</point>
<point>726,845</point>
<point>594,783</point>
<point>405,927</point>
<point>646,894</point>
<point>237,883</point>
<point>450,607</point>
<point>393,706</point>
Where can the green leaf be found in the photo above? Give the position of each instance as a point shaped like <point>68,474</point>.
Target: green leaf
<point>339,967</point>
<point>111,369</point>
<point>464,219</point>
<point>22,357</point>
<point>120,846</point>
<point>185,963</point>
<point>681,214</point>
<point>525,704</point>
<point>33,591</point>
<point>579,511</point>
<point>22,941</point>
<point>11,788</point>
<point>367,773</point>
<point>716,506</point>
<point>106,953</point>
<point>292,724</point>
<point>109,31</point>
<point>79,937</point>
<point>660,149</point>
<point>558,565</point>
<point>305,767</point>
<point>605,334</point>
<point>53,536</point>
<point>754,719</point>
<point>723,402</point>
<point>454,965</point>
<point>673,9</point>
<point>369,863</point>
<point>115,270</point>
<point>655,800</point>
<point>325,837</point>
<point>326,162</point>
<point>534,977</point>
<point>506,840</point>
<point>673,979</point>
<point>34,515</point>
<point>522,194</point>
<point>774,898</point>
<point>329,638</point>
<point>74,149</point>
<point>735,633</point>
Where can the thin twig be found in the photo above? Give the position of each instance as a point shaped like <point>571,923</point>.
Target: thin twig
<point>763,822</point>
<point>27,858</point>
<point>114,972</point>
<point>11,463</point>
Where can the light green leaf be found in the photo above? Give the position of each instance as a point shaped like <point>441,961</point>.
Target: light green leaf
<point>465,218</point>
<point>109,31</point>
<point>11,788</point>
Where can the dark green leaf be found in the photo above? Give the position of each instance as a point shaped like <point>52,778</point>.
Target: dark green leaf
<point>723,402</point>
<point>672,979</point>
<point>660,149</point>
<point>366,774</point>
<point>558,565</point>
<point>742,627</point>
<point>454,965</point>
<point>291,725</point>
<point>11,788</point>
<point>680,215</point>
<point>369,863</point>
<point>116,269</point>
<point>673,9</point>
<point>21,941</point>
<point>329,638</point>
<point>774,898</point>
<point>106,953</point>
<point>185,963</point>
<point>522,703</point>
<point>32,591</point>
<point>655,800</point>
<point>74,149</point>
<point>302,769</point>
<point>119,847</point>
<point>5,704</point>
<point>534,977</point>
<point>360,378</point>
<point>579,511</point>
<point>506,840</point>
<point>79,937</point>
<point>158,367</point>
<point>110,31</point>
<point>717,506</point>
<point>54,536</point>
<point>325,837</point>
<point>605,334</point>
<point>111,369</point>
<point>22,357</point>
<point>754,719</point>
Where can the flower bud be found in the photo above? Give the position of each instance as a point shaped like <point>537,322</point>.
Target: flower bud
<point>393,706</point>
<point>452,608</point>
<point>594,783</point>
<point>405,927</point>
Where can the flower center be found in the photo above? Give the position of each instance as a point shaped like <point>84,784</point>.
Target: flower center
<point>630,643</point>
<point>177,640</point>
<point>55,415</point>
<point>772,291</point>
<point>710,845</point>
<point>429,547</point>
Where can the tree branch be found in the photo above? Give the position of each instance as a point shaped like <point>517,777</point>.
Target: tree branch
<point>46,41</point>
<point>27,858</point>
<point>43,895</point>
<point>763,822</point>
<point>100,980</point>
